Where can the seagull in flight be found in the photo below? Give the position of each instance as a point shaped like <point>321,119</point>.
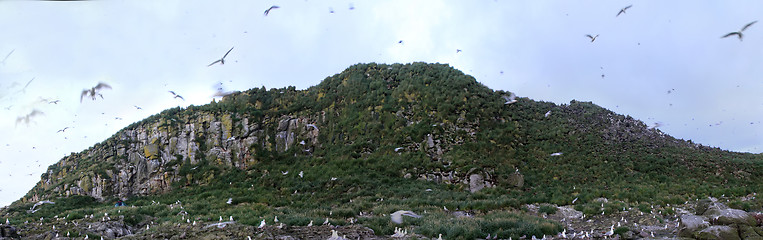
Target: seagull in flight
<point>739,34</point>
<point>271,8</point>
<point>623,10</point>
<point>136,107</point>
<point>221,60</point>
<point>6,56</point>
<point>26,118</point>
<point>92,92</point>
<point>510,99</point>
<point>397,217</point>
<point>62,130</point>
<point>593,38</point>
<point>177,96</point>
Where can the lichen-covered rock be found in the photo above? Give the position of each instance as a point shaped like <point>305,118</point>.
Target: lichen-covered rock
<point>718,232</point>
<point>516,179</point>
<point>729,216</point>
<point>749,233</point>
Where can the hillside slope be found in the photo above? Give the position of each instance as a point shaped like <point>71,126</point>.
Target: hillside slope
<point>378,133</point>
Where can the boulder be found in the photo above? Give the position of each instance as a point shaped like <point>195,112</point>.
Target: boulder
<point>476,183</point>
<point>516,179</point>
<point>718,232</point>
<point>7,231</point>
<point>691,224</point>
<point>729,216</point>
<point>749,233</point>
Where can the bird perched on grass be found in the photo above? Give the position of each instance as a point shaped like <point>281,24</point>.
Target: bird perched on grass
<point>262,224</point>
<point>593,38</point>
<point>739,34</point>
<point>92,92</point>
<point>221,60</point>
<point>271,8</point>
<point>623,10</point>
<point>397,217</point>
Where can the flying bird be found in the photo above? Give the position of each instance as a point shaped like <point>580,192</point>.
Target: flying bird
<point>26,118</point>
<point>62,130</point>
<point>739,34</point>
<point>397,217</point>
<point>6,56</point>
<point>271,8</point>
<point>221,60</point>
<point>136,107</point>
<point>623,10</point>
<point>593,38</point>
<point>94,91</point>
<point>556,154</point>
<point>512,98</point>
<point>177,96</point>
<point>547,114</point>
<point>54,102</point>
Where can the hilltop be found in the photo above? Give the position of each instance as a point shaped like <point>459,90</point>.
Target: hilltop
<point>378,138</point>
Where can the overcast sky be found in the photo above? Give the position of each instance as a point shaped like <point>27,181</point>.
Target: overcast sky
<point>660,61</point>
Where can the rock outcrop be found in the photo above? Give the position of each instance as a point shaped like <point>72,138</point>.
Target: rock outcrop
<point>718,221</point>
<point>150,158</point>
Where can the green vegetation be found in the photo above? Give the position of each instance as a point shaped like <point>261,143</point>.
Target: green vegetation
<point>371,109</point>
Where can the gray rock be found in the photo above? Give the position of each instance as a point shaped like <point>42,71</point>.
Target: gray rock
<point>690,224</point>
<point>718,232</point>
<point>749,233</point>
<point>7,231</point>
<point>476,183</point>
<point>729,216</point>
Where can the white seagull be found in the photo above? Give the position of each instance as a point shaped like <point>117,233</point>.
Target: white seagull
<point>739,34</point>
<point>512,98</point>
<point>556,154</point>
<point>397,217</point>
<point>301,174</point>
<point>262,224</point>
<point>230,201</point>
<point>221,60</point>
<point>547,114</point>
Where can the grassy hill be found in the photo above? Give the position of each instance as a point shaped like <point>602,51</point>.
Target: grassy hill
<point>410,137</point>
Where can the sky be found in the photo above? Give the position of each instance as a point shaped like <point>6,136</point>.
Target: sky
<point>660,62</point>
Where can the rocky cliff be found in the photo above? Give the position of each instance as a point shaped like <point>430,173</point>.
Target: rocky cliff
<point>148,158</point>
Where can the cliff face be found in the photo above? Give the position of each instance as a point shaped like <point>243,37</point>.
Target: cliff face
<point>148,159</point>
